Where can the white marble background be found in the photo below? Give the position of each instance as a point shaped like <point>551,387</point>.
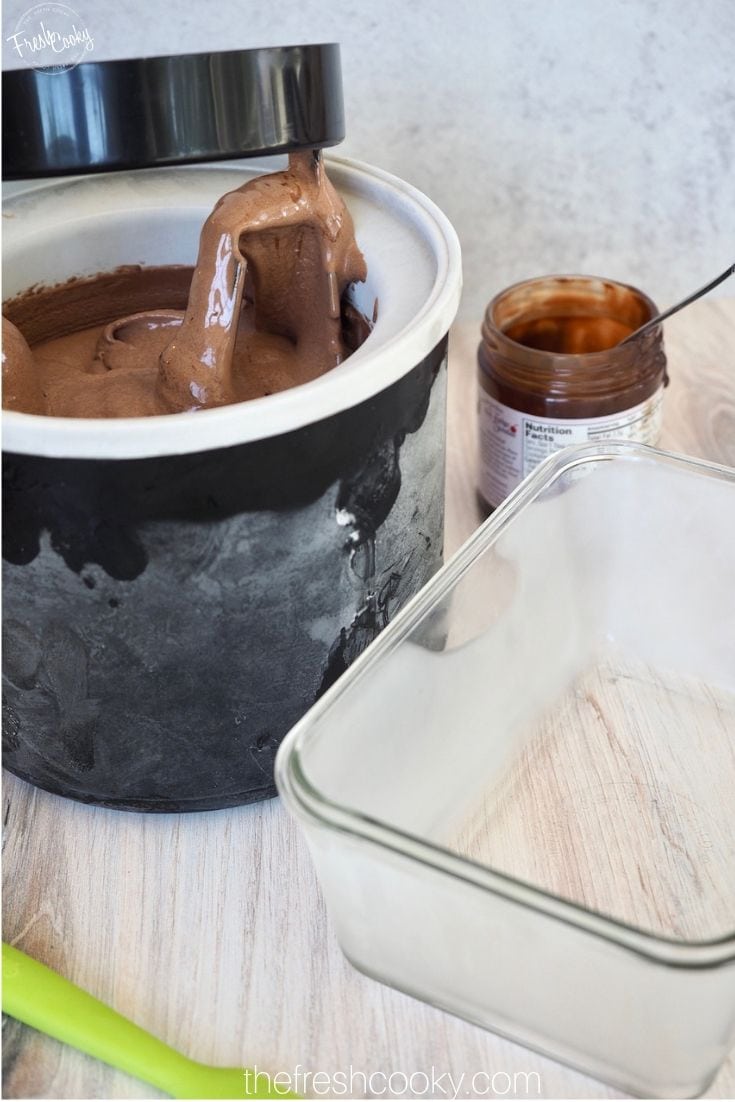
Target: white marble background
<point>558,135</point>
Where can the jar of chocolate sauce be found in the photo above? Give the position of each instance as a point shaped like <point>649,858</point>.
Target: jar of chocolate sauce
<point>552,372</point>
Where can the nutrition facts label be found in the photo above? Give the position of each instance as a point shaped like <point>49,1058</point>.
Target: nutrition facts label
<point>513,443</point>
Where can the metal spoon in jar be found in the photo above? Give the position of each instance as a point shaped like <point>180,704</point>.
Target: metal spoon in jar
<point>679,306</point>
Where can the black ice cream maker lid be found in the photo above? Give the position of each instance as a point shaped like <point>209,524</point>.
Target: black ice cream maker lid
<point>140,113</point>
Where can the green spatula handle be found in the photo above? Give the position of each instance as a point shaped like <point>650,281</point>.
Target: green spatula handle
<point>43,999</point>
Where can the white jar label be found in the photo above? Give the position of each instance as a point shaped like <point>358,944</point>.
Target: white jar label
<point>513,443</point>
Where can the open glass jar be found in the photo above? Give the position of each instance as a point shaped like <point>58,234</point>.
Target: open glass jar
<point>552,372</point>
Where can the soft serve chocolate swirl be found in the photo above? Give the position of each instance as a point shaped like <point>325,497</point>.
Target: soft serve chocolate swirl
<point>265,311</point>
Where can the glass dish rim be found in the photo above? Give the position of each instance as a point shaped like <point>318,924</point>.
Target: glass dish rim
<point>295,786</point>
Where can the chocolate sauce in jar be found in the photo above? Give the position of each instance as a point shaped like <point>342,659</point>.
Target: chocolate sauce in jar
<point>553,371</point>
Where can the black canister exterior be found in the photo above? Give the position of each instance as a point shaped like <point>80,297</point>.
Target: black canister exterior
<point>168,619</point>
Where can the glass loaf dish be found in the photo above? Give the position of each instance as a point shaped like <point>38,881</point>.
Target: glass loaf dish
<point>519,799</point>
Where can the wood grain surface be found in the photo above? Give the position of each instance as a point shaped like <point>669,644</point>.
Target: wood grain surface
<point>209,930</point>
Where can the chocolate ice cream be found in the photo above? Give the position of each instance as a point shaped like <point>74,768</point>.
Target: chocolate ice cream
<point>265,312</point>
<point>21,385</point>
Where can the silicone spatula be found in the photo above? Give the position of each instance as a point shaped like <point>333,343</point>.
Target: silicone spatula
<point>43,999</point>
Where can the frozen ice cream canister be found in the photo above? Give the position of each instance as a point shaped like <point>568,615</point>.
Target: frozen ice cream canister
<point>180,589</point>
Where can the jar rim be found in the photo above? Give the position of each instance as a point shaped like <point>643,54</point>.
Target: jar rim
<point>562,363</point>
